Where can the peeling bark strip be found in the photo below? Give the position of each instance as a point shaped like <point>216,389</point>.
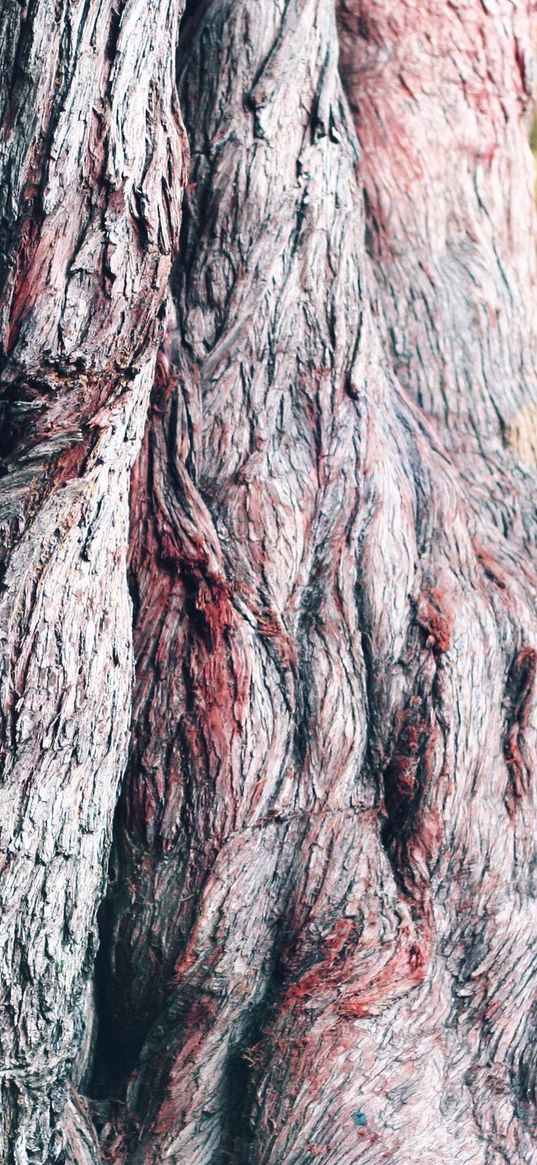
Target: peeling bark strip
<point>91,165</point>
<point>320,938</point>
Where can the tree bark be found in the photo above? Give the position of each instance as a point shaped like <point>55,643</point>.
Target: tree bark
<point>339,768</point>
<point>90,182</point>
<point>450,223</point>
<point>320,932</point>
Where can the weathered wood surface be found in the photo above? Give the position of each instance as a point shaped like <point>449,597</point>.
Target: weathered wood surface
<point>320,934</point>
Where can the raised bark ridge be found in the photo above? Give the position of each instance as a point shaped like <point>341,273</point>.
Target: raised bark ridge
<point>90,188</point>
<point>325,842</point>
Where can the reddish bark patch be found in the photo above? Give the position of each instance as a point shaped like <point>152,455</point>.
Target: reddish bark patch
<point>491,567</point>
<point>405,773</point>
<point>69,464</point>
<point>403,971</point>
<point>209,605</point>
<point>339,944</point>
<point>435,620</point>
<point>520,690</point>
<point>27,283</point>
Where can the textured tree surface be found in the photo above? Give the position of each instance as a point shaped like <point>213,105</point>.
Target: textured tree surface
<point>450,224</point>
<point>318,926</point>
<point>90,185</point>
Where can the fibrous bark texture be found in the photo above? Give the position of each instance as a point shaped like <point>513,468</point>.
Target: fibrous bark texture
<point>320,933</point>
<point>90,185</point>
<point>325,842</point>
<point>451,226</point>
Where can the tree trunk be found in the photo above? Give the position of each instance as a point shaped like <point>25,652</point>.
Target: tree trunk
<point>90,186</point>
<point>320,932</point>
